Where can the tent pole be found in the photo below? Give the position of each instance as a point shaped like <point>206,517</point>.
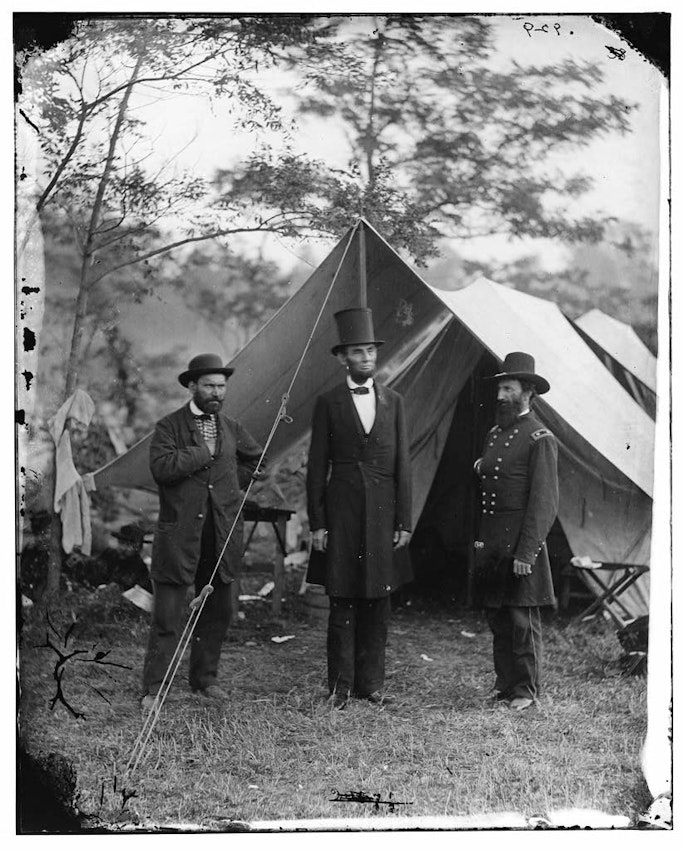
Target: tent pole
<point>362,265</point>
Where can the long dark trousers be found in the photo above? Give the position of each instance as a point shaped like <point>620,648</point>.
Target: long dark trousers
<point>357,634</point>
<point>170,613</point>
<point>516,650</point>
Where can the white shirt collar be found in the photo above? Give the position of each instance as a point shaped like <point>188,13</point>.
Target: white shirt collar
<point>194,409</point>
<point>524,412</point>
<point>352,385</point>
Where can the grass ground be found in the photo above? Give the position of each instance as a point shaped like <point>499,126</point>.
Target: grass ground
<point>277,751</point>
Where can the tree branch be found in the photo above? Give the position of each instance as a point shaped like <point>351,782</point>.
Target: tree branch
<point>186,241</point>
<point>85,284</point>
<point>45,194</point>
<point>155,79</point>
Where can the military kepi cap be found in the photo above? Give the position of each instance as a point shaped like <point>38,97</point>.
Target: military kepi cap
<point>355,327</point>
<point>203,364</point>
<point>521,366</point>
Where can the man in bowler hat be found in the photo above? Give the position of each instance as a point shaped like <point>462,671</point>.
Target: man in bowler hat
<point>125,565</point>
<point>122,564</point>
<point>196,457</point>
<point>519,501</point>
<point>359,505</point>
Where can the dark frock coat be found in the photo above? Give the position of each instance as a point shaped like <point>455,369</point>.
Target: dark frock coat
<point>191,482</point>
<point>519,501</point>
<point>359,489</point>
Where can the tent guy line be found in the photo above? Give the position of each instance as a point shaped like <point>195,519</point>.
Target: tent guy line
<point>197,604</point>
<point>438,346</point>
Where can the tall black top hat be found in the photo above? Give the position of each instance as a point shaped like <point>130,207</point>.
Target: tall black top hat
<point>355,327</point>
<point>204,364</point>
<point>521,366</point>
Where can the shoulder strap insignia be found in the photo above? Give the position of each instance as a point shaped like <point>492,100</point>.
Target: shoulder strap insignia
<point>541,432</point>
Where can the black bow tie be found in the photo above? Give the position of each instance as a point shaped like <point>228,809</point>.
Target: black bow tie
<point>360,390</point>
<point>202,415</point>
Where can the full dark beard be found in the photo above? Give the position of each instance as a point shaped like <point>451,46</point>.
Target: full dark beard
<point>506,413</point>
<point>209,405</point>
<point>360,376</point>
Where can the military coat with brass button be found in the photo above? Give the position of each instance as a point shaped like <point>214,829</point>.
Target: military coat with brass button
<point>192,482</point>
<point>359,489</point>
<point>519,499</point>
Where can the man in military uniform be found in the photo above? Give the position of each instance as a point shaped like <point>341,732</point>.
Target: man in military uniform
<point>519,501</point>
<point>359,503</point>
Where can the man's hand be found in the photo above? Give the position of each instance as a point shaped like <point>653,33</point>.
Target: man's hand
<point>320,539</point>
<point>400,539</point>
<point>521,568</point>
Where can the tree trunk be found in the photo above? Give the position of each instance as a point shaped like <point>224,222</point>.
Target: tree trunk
<point>52,586</point>
<point>370,140</point>
<point>89,248</point>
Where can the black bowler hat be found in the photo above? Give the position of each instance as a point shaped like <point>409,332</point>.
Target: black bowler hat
<point>521,366</point>
<point>355,327</point>
<point>204,364</point>
<point>130,534</point>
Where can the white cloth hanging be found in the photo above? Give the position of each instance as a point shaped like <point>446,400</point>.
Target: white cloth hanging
<point>71,500</point>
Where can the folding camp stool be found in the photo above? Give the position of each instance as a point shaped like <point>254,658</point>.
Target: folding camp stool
<point>610,590</point>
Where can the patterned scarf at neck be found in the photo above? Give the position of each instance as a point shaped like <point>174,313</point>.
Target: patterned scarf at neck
<point>206,423</point>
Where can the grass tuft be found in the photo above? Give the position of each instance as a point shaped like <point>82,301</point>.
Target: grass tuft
<point>278,751</point>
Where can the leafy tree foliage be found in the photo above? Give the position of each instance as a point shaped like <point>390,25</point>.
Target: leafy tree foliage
<point>85,99</point>
<point>622,277</point>
<point>617,276</point>
<point>440,142</point>
<point>107,356</point>
<point>234,294</point>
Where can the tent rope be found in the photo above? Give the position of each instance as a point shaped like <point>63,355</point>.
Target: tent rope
<point>197,604</point>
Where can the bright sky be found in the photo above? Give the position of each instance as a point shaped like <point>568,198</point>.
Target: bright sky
<point>625,168</point>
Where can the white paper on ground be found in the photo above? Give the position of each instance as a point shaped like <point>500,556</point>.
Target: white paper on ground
<point>139,597</point>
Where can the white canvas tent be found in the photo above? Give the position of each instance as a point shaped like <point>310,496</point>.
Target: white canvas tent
<point>624,355</point>
<point>620,341</point>
<point>438,347</point>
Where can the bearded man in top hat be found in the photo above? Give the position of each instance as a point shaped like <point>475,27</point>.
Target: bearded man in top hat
<point>519,501</point>
<point>197,458</point>
<point>359,505</point>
